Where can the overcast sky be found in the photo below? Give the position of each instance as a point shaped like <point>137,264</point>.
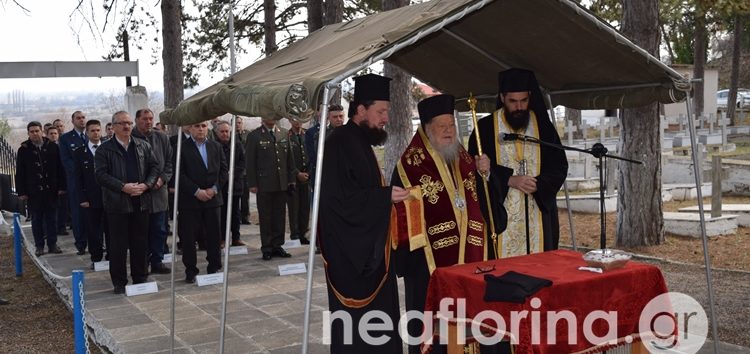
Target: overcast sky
<point>45,34</point>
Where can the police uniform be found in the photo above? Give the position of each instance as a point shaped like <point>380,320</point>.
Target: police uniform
<point>269,168</point>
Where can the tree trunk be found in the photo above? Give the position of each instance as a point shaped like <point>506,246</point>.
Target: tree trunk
<point>399,127</point>
<point>734,76</point>
<point>171,54</point>
<point>699,62</point>
<point>574,115</point>
<point>269,26</point>
<point>314,15</point>
<point>639,206</point>
<point>333,11</point>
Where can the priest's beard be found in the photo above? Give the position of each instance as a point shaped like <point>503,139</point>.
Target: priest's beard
<point>449,152</point>
<point>518,119</point>
<point>375,135</point>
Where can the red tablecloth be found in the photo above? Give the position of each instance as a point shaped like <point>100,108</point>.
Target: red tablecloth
<point>626,290</point>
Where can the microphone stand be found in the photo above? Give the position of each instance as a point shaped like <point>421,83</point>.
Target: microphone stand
<point>599,151</point>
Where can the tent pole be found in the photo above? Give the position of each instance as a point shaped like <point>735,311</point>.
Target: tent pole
<point>315,211</point>
<point>230,189</point>
<point>548,97</point>
<point>704,238</point>
<point>175,234</point>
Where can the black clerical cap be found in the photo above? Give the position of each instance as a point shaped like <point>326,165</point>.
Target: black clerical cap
<point>372,87</point>
<point>434,106</point>
<point>516,80</point>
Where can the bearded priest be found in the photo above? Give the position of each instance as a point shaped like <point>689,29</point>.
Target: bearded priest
<point>442,225</point>
<point>530,174</point>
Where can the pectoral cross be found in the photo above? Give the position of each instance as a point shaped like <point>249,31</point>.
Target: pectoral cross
<point>522,167</point>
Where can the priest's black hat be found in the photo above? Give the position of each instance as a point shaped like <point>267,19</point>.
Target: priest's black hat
<point>434,106</point>
<point>372,87</point>
<point>516,80</point>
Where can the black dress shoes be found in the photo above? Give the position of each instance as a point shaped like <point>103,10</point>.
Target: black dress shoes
<point>267,256</point>
<point>303,240</point>
<point>80,252</point>
<point>190,279</point>
<point>119,289</point>
<point>280,253</point>
<point>39,252</point>
<point>55,249</point>
<point>160,269</point>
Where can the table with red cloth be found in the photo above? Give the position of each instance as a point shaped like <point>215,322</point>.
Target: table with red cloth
<point>626,290</point>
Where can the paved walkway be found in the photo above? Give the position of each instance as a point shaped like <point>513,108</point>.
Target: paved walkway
<point>265,311</point>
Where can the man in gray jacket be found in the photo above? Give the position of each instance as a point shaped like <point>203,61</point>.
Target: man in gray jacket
<point>126,170</point>
<point>157,220</point>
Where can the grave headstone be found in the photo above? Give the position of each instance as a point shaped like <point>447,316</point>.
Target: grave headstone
<point>602,127</point>
<point>584,129</point>
<point>723,121</point>
<point>570,128</point>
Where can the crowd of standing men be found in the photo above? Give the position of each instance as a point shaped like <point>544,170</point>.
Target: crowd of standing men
<point>113,184</point>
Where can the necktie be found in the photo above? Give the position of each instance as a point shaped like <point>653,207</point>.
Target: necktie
<point>95,146</point>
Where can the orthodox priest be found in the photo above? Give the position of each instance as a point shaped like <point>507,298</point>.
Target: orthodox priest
<point>443,225</point>
<point>526,167</point>
<point>355,213</point>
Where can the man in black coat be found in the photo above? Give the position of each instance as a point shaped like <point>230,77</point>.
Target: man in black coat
<point>92,207</point>
<point>203,170</point>
<point>126,169</point>
<point>39,181</point>
<point>223,134</point>
<point>355,210</point>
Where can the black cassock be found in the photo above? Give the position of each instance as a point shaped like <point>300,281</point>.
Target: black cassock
<point>354,219</point>
<point>554,169</point>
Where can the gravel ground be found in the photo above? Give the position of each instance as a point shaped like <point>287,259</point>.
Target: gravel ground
<point>36,320</point>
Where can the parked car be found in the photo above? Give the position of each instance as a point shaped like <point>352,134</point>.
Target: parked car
<point>743,97</point>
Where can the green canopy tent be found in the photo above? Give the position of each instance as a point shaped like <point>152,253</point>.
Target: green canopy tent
<point>455,46</point>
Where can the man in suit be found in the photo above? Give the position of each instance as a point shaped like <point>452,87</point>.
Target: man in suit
<point>157,228</point>
<point>70,141</point>
<point>39,182</point>
<point>53,134</point>
<point>298,202</point>
<point>270,174</point>
<point>223,136</point>
<point>126,170</point>
<point>91,204</point>
<point>203,170</point>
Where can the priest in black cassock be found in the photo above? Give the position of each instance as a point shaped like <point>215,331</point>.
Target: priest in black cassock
<point>526,167</point>
<point>355,212</point>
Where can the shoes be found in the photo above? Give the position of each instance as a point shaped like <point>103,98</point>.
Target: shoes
<point>81,251</point>
<point>39,252</point>
<point>303,240</point>
<point>119,289</point>
<point>4,302</point>
<point>190,279</point>
<point>238,243</point>
<point>160,269</point>
<point>213,271</point>
<point>280,252</point>
<point>140,281</point>
<point>55,249</point>
<point>267,256</point>
<point>245,222</point>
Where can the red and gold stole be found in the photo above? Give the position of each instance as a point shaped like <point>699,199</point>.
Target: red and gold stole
<point>512,242</point>
<point>451,233</point>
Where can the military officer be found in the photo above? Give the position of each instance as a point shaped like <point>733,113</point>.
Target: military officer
<point>298,202</point>
<point>271,174</point>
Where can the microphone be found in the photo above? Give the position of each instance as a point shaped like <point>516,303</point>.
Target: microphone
<point>510,136</point>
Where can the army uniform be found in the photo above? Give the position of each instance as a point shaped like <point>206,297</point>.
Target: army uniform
<point>39,176</point>
<point>299,201</point>
<point>270,169</point>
